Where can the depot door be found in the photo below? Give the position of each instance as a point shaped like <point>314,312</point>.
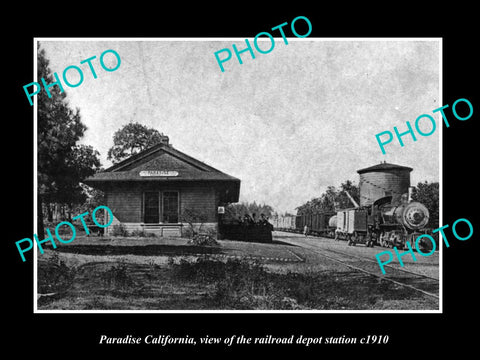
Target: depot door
<point>151,207</point>
<point>170,207</point>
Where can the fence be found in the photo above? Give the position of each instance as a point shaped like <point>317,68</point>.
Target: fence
<point>261,233</point>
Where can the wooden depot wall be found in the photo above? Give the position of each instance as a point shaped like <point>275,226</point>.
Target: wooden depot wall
<point>126,200</point>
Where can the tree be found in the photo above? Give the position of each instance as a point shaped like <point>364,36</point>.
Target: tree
<point>234,212</point>
<point>92,198</point>
<point>332,199</point>
<point>132,139</point>
<point>81,162</point>
<point>59,128</point>
<point>342,197</point>
<point>61,163</point>
<point>428,194</point>
<point>67,189</point>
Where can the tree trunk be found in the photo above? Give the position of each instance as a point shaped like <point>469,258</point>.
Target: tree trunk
<point>40,228</point>
<point>50,212</point>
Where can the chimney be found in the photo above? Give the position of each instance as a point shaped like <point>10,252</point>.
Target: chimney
<point>164,139</point>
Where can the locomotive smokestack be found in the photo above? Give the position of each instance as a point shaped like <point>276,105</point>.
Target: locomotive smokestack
<point>410,192</point>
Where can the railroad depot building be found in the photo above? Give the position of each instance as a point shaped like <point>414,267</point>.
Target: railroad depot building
<point>152,190</point>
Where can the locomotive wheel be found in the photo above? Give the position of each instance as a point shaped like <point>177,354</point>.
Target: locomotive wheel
<point>412,244</point>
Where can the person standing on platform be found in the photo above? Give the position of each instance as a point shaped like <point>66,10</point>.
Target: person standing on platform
<point>305,230</point>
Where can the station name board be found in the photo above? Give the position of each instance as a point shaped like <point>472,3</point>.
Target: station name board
<point>158,173</point>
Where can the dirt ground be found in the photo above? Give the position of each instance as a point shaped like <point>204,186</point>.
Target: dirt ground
<point>96,273</point>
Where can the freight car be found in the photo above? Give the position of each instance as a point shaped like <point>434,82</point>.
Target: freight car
<point>317,223</point>
<point>285,222</point>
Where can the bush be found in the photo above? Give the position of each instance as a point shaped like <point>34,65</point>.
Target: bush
<point>117,277</point>
<point>138,233</point>
<point>188,232</point>
<point>238,284</point>
<point>203,240</point>
<point>211,232</point>
<point>203,270</point>
<point>119,230</point>
<point>54,275</point>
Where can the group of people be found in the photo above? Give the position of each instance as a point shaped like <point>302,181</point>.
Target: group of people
<point>252,220</point>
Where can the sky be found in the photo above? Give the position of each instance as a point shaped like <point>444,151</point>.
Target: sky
<point>288,124</point>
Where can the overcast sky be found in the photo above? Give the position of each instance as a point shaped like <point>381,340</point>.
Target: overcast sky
<point>288,123</point>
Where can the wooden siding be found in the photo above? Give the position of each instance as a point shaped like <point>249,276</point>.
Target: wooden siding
<point>201,199</point>
<point>126,201</point>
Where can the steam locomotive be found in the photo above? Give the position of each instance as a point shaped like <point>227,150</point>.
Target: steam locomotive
<point>386,216</point>
<point>382,223</point>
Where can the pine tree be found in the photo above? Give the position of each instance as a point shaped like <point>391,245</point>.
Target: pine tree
<point>61,164</point>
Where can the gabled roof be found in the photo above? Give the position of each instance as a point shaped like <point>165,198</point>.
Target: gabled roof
<point>384,166</point>
<point>160,162</point>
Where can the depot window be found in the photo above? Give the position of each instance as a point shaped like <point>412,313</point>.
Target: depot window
<point>162,206</point>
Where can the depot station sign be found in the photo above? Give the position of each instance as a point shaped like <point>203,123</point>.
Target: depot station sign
<point>158,173</point>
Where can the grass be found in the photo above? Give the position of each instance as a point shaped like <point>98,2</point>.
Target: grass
<point>202,283</point>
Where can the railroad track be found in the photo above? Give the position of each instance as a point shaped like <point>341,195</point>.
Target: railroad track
<point>421,283</point>
<point>385,265</point>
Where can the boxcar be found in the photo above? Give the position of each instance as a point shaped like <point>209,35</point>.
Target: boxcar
<point>318,223</point>
<point>352,225</point>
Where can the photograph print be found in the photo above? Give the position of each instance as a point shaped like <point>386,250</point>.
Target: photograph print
<point>297,180</point>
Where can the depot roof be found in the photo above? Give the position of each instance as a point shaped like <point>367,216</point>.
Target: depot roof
<point>161,163</point>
